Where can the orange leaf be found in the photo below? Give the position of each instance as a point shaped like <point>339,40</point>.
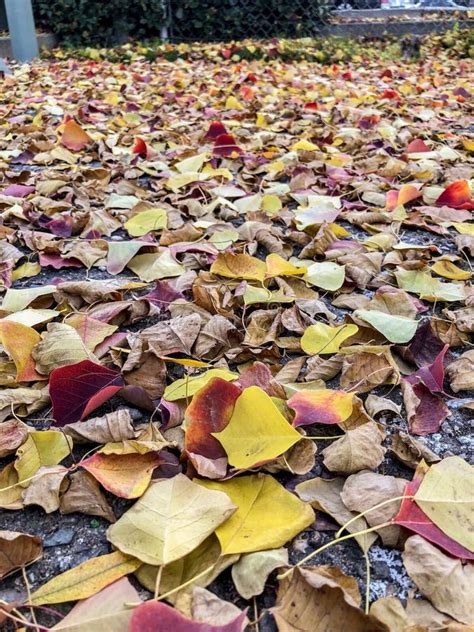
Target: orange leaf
<point>74,137</point>
<point>417,146</point>
<point>323,406</point>
<point>125,475</point>
<point>19,341</point>
<point>456,195</point>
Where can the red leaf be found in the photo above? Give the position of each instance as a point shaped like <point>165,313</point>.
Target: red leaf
<point>78,389</point>
<point>209,411</point>
<point>430,411</point>
<point>225,145</point>
<point>140,148</point>
<point>431,375</point>
<point>155,616</point>
<point>417,146</point>
<point>413,518</point>
<point>456,195</point>
<point>57,262</point>
<point>215,129</point>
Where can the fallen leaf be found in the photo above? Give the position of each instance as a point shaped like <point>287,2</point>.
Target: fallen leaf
<point>78,389</point>
<point>321,599</point>
<point>74,137</point>
<point>125,475</point>
<point>106,609</point>
<point>13,433</point>
<point>206,607</point>
<point>19,341</point>
<point>365,490</point>
<point>61,345</point>
<point>41,448</point>
<point>17,550</point>
<point>86,579</point>
<point>325,495</point>
<point>323,339</point>
<point>267,515</point>
<point>188,386</point>
<point>111,427</point>
<point>257,432</point>
<point>445,581</point>
<point>170,520</point>
<point>155,616</point>
<point>398,329</point>
<point>359,449</point>
<point>461,372</point>
<point>445,496</point>
<point>209,412</point>
<point>251,572</point>
<point>323,406</point>
<point>239,267</point>
<point>84,495</point>
<point>45,489</point>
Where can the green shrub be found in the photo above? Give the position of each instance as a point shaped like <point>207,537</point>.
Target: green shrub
<point>236,19</point>
<point>99,22</point>
<point>111,22</point>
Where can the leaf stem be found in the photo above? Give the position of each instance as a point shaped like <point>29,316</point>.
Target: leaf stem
<point>363,513</point>
<point>324,438</point>
<point>329,544</point>
<point>367,581</point>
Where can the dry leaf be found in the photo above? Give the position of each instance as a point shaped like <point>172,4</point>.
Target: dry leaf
<point>359,449</point>
<point>17,550</point>
<point>445,581</point>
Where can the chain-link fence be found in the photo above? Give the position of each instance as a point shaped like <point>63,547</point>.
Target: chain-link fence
<point>224,20</point>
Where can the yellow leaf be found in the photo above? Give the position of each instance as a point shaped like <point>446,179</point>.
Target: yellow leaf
<point>445,496</point>
<point>257,432</point>
<point>18,341</point>
<point>267,517</point>
<point>193,164</point>
<point>326,275</point>
<point>447,269</point>
<point>170,520</point>
<point>153,266</point>
<point>45,447</point>
<point>464,228</point>
<point>271,204</point>
<point>233,104</point>
<point>239,267</point>
<point>189,386</point>
<point>304,145</point>
<point>146,222</point>
<point>28,269</point>
<point>86,579</point>
<point>277,266</point>
<point>323,339</point>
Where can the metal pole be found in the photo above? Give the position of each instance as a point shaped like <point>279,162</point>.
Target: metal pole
<point>21,25</point>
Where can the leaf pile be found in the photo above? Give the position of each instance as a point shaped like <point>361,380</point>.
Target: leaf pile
<point>237,296</point>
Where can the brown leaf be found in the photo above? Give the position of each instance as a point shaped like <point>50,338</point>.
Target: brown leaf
<point>325,495</point>
<point>85,496</point>
<point>13,434</point>
<point>363,371</point>
<point>17,550</point>
<point>410,451</point>
<point>321,599</point>
<point>445,581</point>
<point>365,490</point>
<point>461,372</point>
<point>45,489</point>
<point>112,427</point>
<point>177,335</point>
<point>359,449</point>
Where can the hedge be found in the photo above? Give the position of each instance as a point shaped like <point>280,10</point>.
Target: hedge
<point>110,22</point>
<point>99,22</point>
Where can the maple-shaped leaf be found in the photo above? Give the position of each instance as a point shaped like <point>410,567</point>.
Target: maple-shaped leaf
<point>155,616</point>
<point>78,389</point>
